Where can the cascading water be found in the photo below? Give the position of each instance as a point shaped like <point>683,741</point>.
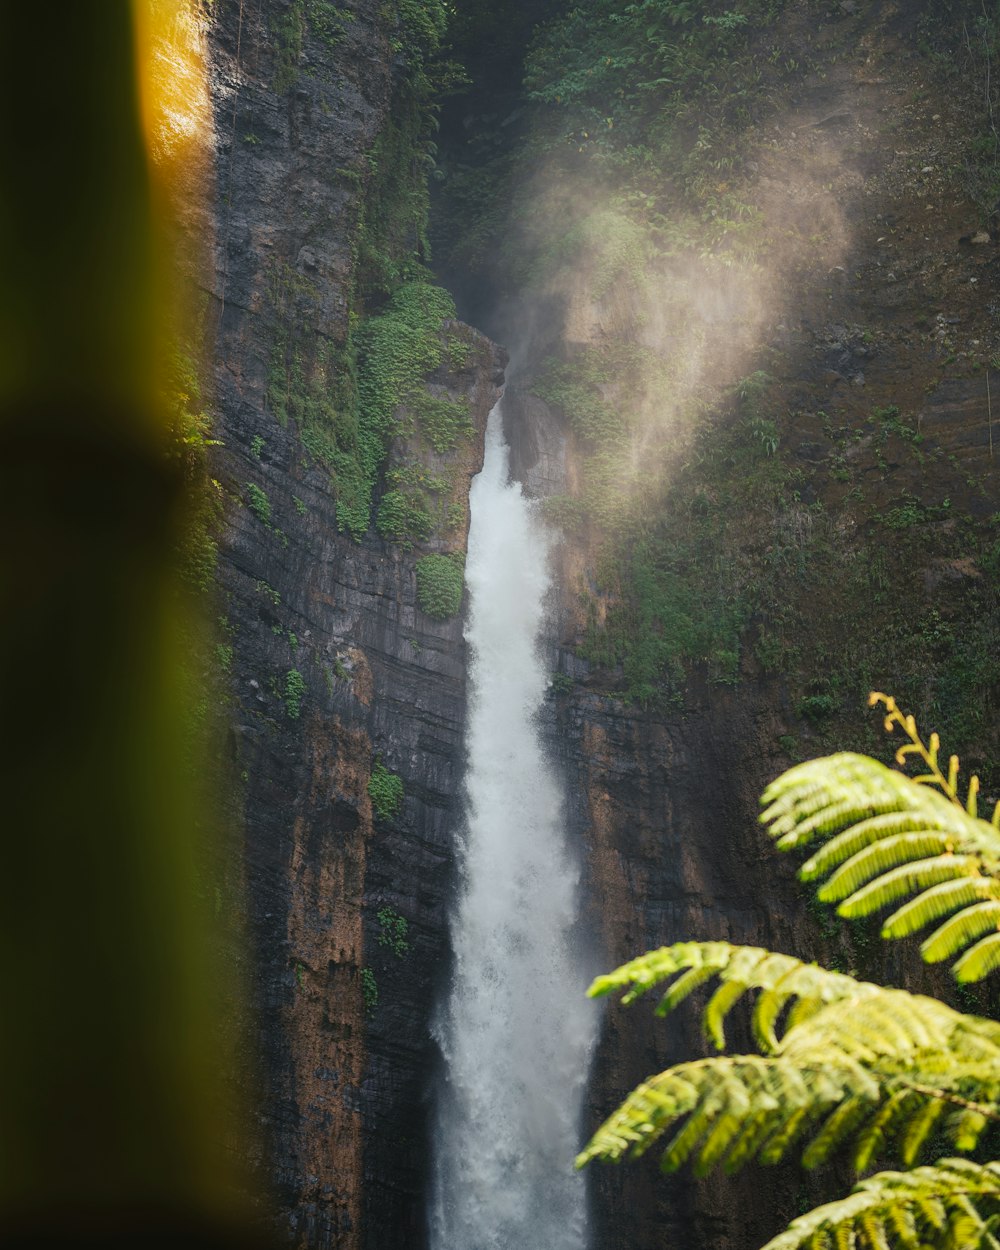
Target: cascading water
<point>516,1031</point>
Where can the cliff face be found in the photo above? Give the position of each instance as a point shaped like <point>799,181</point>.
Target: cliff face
<point>332,666</point>
<point>328,660</point>
<point>879,343</point>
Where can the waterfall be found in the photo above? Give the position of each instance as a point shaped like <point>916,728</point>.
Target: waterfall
<point>516,1030</point>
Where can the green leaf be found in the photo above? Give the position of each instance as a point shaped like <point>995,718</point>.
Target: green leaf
<point>962,930</point>
<point>979,960</point>
<point>879,858</point>
<point>907,879</point>
<point>938,901</point>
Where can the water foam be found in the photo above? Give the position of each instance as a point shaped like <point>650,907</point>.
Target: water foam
<point>516,1030</point>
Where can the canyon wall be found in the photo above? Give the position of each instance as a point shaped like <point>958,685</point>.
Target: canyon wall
<point>327,662</point>
<point>886,310</point>
<point>871,336</point>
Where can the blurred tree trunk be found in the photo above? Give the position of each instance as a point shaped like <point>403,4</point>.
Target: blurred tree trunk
<point>109,1106</point>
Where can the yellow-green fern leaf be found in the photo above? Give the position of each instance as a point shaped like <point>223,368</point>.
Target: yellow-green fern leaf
<point>756,1129</point>
<point>705,1091</point>
<point>933,1203</point>
<point>841,1122</point>
<point>919,1129</point>
<point>740,969</point>
<point>879,1128</point>
<point>766,1011</point>
<point>939,900</point>
<point>879,858</point>
<point>888,840</point>
<point>967,1127</point>
<point>776,1147</point>
<point>907,879</point>
<point>855,838</point>
<point>962,930</point>
<point>719,1005</point>
<point>980,960</point>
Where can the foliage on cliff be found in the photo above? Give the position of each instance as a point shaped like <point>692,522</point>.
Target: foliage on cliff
<point>846,1065</point>
<point>671,192</point>
<point>342,394</point>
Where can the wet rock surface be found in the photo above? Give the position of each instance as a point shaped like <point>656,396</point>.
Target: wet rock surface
<point>329,662</point>
<point>885,305</point>
<point>662,804</point>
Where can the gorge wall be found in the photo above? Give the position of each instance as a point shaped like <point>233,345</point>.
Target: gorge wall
<point>812,432</point>
<point>327,662</point>
<point>868,320</point>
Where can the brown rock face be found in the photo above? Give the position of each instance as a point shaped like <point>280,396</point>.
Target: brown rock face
<point>665,801</point>
<point>330,661</point>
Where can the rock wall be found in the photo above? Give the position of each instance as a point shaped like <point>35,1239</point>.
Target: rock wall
<point>328,661</point>
<point>663,802</point>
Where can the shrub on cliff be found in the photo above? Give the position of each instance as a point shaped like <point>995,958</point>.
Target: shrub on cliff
<point>385,789</point>
<point>842,1062</point>
<point>439,585</point>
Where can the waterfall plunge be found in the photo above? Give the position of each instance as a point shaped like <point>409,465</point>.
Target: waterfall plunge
<point>516,1030</point>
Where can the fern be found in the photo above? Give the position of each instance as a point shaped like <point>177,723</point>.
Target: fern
<point>887,838</point>
<point>855,1064</point>
<point>951,1204</point>
<point>846,1064</point>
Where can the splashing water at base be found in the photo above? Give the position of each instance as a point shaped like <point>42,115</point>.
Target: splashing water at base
<point>516,1030</point>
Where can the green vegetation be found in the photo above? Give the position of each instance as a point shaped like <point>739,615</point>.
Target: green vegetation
<point>295,688</point>
<point>713,547</point>
<point>269,592</point>
<point>402,518</point>
<point>224,656</point>
<point>258,503</point>
<point>326,21</point>
<point>385,789</point>
<point>440,579</point>
<point>844,1064</point>
<point>442,422</point>
<point>369,990</point>
<point>188,441</point>
<point>256,446</point>
<point>343,396</point>
<point>392,239</point>
<point>344,402</point>
<point>393,931</point>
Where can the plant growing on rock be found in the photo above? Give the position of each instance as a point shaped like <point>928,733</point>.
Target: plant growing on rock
<point>385,789</point>
<point>258,503</point>
<point>295,688</point>
<point>439,584</point>
<point>393,931</point>
<point>369,990</point>
<point>844,1063</point>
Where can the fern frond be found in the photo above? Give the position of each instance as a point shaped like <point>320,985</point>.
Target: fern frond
<point>887,838</point>
<point>880,857</point>
<point>865,1065</point>
<point>961,930</point>
<point>927,1207</point>
<point>857,837</point>
<point>782,978</point>
<point>904,880</point>
<point>919,1129</point>
<point>841,1122</point>
<point>865,1021</point>
<point>939,900</point>
<point>979,960</point>
<point>737,1092</point>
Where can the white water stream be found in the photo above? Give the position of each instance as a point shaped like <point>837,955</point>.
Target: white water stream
<point>516,1030</point>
